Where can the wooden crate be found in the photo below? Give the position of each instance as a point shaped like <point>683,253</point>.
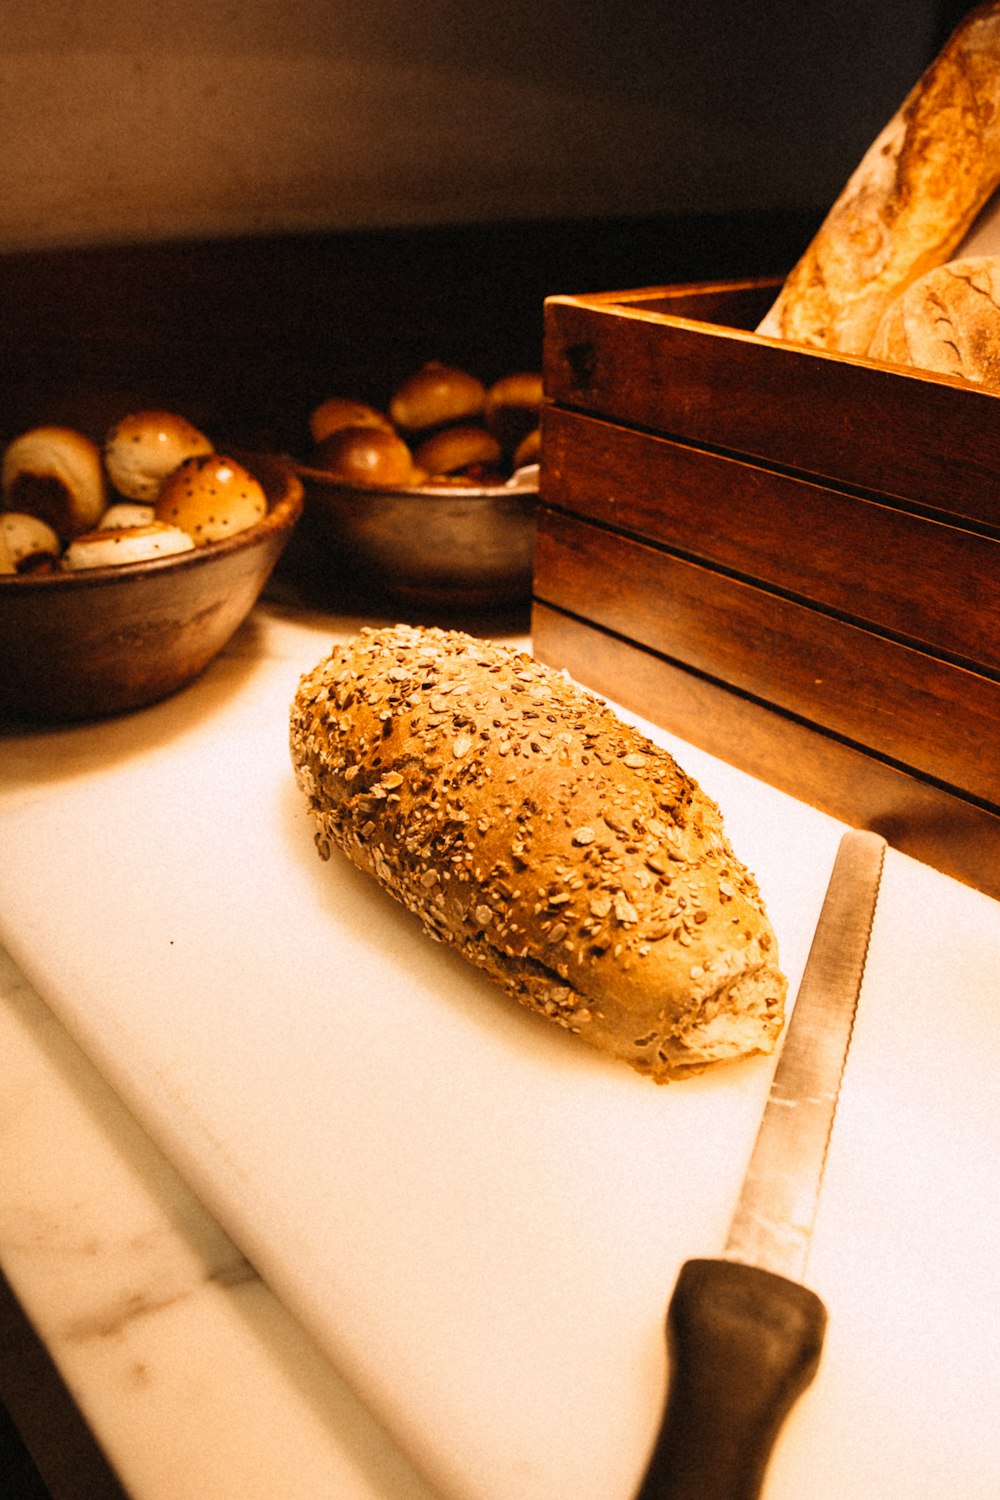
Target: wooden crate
<point>789,558</point>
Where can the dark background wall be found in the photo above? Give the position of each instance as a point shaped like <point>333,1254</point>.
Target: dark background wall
<point>126,121</point>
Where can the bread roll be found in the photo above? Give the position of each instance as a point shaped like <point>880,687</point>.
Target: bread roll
<point>909,203</point>
<point>948,322</point>
<point>435,394</point>
<point>452,449</point>
<point>512,407</point>
<point>27,544</point>
<point>529,449</point>
<point>55,473</point>
<point>142,448</point>
<point>113,547</point>
<point>555,847</point>
<point>211,497</point>
<point>368,456</point>
<point>341,411</point>
<point>126,513</point>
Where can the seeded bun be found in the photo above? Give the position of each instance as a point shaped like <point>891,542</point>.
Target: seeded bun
<point>211,497</point>
<point>113,546</point>
<point>127,513</point>
<point>142,448</point>
<point>555,847</point>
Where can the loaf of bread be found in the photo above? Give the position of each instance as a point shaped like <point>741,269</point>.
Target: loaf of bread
<point>553,845</point>
<point>909,203</point>
<point>948,321</point>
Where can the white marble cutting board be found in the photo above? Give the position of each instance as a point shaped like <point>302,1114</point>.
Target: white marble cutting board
<point>479,1219</point>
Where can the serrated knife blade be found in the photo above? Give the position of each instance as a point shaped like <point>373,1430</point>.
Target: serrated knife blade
<point>744,1334</point>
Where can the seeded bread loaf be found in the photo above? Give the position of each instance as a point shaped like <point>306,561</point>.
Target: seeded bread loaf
<point>554,846</point>
<point>909,203</point>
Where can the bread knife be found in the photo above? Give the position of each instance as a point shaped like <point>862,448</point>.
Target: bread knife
<point>744,1333</point>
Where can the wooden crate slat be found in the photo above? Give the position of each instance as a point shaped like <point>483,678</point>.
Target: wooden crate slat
<point>927,440</point>
<point>936,718</point>
<point>925,821</point>
<point>788,556</point>
<point>934,584</point>
<point>734,304</point>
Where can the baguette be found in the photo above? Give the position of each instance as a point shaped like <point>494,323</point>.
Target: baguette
<point>909,203</point>
<point>947,322</point>
<point>556,847</point>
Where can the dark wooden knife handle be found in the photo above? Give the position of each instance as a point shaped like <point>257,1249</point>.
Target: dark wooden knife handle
<point>743,1345</point>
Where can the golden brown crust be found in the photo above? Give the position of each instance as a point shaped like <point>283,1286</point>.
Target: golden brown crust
<point>211,497</point>
<point>459,447</point>
<point>909,203</point>
<point>368,455</point>
<point>435,394</point>
<point>948,322</point>
<point>142,448</point>
<point>341,411</point>
<point>554,846</point>
<point>512,407</point>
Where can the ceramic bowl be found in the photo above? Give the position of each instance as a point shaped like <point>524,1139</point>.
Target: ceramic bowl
<point>106,640</point>
<point>450,547</point>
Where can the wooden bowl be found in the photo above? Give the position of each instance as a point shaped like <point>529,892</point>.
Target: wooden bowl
<point>105,640</point>
<point>444,546</point>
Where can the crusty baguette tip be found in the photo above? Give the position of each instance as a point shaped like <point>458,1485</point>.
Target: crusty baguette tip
<point>908,204</point>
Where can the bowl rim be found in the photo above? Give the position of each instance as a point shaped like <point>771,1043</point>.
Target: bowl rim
<point>282,514</point>
<point>457,491</point>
